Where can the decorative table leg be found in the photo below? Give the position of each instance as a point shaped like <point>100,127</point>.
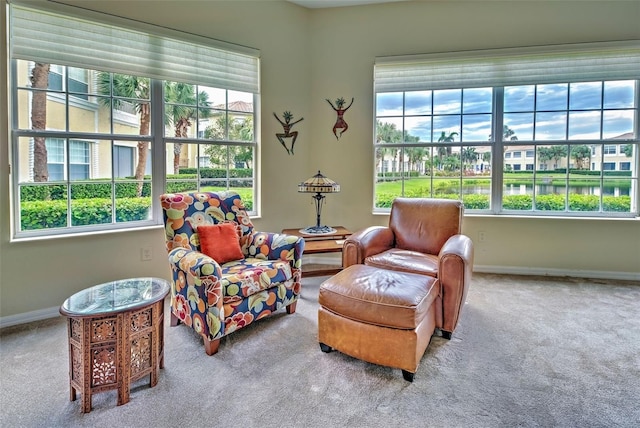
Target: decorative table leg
<point>124,358</point>
<point>87,364</point>
<point>72,390</point>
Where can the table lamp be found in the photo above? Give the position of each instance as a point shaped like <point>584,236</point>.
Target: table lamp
<point>318,184</point>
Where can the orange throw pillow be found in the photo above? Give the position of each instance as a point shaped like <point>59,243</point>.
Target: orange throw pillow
<point>220,242</point>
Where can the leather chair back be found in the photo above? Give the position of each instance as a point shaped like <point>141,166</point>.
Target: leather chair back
<point>424,225</point>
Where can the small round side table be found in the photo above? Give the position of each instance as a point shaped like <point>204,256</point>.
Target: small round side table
<point>116,336</point>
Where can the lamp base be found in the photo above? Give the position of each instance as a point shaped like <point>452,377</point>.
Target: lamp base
<point>318,230</point>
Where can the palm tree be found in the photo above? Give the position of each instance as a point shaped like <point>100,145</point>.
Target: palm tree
<point>444,138</point>
<point>545,154</point>
<point>416,155</point>
<point>508,134</point>
<point>387,133</point>
<point>486,157</point>
<point>468,156</point>
<point>581,154</point>
<point>136,90</point>
<point>39,80</point>
<point>182,106</point>
<point>238,130</point>
<point>553,152</point>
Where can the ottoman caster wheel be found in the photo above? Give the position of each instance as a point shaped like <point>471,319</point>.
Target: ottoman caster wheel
<point>325,348</point>
<point>408,376</point>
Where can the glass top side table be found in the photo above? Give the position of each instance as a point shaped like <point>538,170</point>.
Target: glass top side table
<point>116,336</point>
<point>115,296</point>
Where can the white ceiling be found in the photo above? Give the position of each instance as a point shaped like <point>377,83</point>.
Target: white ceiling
<point>317,4</point>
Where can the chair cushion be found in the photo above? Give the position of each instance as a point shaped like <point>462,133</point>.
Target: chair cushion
<point>380,297</point>
<point>405,261</point>
<point>242,278</point>
<point>220,242</point>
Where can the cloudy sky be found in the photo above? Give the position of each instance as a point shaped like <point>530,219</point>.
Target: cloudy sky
<point>550,112</point>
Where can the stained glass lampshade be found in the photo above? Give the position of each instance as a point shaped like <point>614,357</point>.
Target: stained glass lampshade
<point>318,184</point>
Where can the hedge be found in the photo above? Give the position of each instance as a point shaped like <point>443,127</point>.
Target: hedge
<point>101,188</point>
<point>572,171</point>
<point>53,214</point>
<point>589,203</point>
<point>96,189</point>
<point>216,172</point>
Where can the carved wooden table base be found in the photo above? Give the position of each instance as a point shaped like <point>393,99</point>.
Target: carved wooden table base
<point>111,350</point>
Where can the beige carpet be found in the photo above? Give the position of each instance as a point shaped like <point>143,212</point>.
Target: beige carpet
<point>529,352</point>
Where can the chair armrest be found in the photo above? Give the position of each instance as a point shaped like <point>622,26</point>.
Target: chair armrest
<point>366,242</point>
<point>454,273</point>
<point>274,246</point>
<point>196,292</point>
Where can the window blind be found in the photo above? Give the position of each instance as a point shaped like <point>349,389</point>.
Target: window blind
<point>512,66</point>
<point>61,34</point>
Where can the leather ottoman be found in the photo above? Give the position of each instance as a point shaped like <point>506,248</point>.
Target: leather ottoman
<point>380,316</point>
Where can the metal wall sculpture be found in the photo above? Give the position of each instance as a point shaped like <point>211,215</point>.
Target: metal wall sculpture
<point>288,133</point>
<point>340,109</point>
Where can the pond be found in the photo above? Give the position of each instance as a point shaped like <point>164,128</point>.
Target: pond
<point>527,189</point>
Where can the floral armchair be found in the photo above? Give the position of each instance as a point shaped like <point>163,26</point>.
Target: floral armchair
<point>218,298</point>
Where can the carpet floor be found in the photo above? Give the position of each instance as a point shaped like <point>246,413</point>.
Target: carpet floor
<point>528,352</point>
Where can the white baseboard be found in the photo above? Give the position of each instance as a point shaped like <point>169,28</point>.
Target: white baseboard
<point>40,314</point>
<point>52,312</point>
<point>595,274</point>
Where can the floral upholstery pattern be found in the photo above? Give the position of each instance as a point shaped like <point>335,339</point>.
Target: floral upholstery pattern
<point>217,299</point>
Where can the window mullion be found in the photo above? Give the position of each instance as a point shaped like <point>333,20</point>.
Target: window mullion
<point>158,146</point>
<point>497,153</point>
<point>635,171</point>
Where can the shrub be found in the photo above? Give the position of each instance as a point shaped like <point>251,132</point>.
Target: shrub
<point>517,202</point>
<point>476,202</point>
<point>53,214</point>
<point>100,188</point>
<point>617,204</point>
<point>215,173</point>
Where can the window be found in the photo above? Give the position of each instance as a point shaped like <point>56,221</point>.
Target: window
<point>559,106</point>
<point>123,157</point>
<point>97,139</point>
<point>204,161</point>
<point>77,159</point>
<point>609,150</point>
<point>75,79</point>
<point>220,154</point>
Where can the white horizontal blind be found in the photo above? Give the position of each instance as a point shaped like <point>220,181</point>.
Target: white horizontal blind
<point>106,43</point>
<point>513,66</point>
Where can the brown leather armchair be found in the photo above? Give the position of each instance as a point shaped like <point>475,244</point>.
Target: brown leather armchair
<point>424,237</point>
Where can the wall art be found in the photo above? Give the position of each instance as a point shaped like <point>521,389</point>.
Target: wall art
<point>340,122</point>
<point>288,133</point>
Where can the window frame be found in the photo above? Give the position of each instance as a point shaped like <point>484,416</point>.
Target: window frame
<point>158,142</point>
<point>412,73</point>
